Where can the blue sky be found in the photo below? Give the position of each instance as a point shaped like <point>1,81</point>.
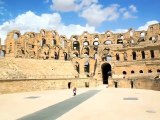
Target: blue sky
<point>75,16</point>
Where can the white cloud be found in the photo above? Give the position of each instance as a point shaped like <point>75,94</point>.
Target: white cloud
<point>60,5</point>
<point>127,15</point>
<point>129,12</point>
<point>71,5</point>
<point>96,14</point>
<point>145,27</point>
<point>29,21</point>
<point>120,30</point>
<point>133,8</point>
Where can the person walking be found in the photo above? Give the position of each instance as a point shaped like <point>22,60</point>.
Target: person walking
<point>74,91</point>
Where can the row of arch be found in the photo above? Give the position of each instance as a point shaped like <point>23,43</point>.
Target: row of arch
<point>134,55</point>
<point>140,71</point>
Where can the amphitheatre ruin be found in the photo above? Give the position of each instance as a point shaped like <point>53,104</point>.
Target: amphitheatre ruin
<point>48,61</point>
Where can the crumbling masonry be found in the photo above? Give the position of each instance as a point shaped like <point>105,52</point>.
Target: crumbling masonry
<point>128,59</point>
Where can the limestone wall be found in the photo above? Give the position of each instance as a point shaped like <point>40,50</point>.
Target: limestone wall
<point>12,86</point>
<point>140,83</point>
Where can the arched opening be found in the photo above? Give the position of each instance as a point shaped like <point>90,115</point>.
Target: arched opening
<point>95,48</point>
<point>76,45</point>
<point>142,34</point>
<point>158,71</point>
<point>43,42</point>
<point>149,71</point>
<point>55,55</point>
<point>132,41</point>
<point>53,42</point>
<point>117,57</point>
<point>106,72</point>
<point>85,43</point>
<point>86,50</point>
<point>64,43</point>
<point>108,57</point>
<point>65,56</point>
<point>152,54</point>
<point>119,41</point>
<point>86,67</point>
<point>132,72</point>
<point>132,83</point>
<point>124,73</point>
<point>2,53</point>
<point>125,56</point>
<point>96,43</point>
<point>69,85</point>
<point>143,54</point>
<point>96,38</point>
<point>77,67</point>
<point>95,55</point>
<point>134,55</point>
<point>107,42</point>
<point>16,36</point>
<point>76,54</point>
<point>141,71</point>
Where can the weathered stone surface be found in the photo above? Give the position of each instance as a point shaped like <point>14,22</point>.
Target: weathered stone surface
<point>103,58</point>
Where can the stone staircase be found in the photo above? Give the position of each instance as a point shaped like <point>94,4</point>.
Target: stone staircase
<point>20,68</point>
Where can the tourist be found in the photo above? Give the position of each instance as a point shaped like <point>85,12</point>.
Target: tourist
<point>74,91</point>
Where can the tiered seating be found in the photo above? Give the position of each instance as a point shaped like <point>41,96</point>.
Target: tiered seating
<point>35,69</point>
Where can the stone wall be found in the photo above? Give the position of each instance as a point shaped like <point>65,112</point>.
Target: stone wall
<point>12,86</point>
<point>140,83</point>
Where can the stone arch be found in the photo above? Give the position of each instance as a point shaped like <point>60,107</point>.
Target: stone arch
<point>77,67</point>
<point>2,53</point>
<point>95,55</point>
<point>106,72</point>
<point>76,53</point>
<point>56,55</point>
<point>86,50</point>
<point>96,43</point>
<point>16,35</point>
<point>43,32</point>
<point>124,73</point>
<point>149,71</point>
<point>134,55</point>
<point>86,67</point>
<point>85,43</point>
<point>69,85</point>
<point>125,56</point>
<point>76,45</point>
<point>143,54</point>
<point>107,42</point>
<point>43,42</point>
<point>152,54</point>
<point>120,39</point>
<point>158,70</point>
<point>108,57</point>
<point>132,72</point>
<point>65,56</point>
<point>117,56</point>
<point>54,33</point>
<point>141,71</point>
<point>54,42</point>
<point>96,38</point>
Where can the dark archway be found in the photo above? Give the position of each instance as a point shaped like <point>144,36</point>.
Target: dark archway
<point>76,45</point>
<point>69,85</point>
<point>106,72</point>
